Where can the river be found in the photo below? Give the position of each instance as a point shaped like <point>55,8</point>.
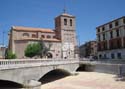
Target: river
<point>86,80</point>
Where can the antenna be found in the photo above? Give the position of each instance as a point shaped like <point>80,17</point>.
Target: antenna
<point>64,9</point>
<point>3,37</point>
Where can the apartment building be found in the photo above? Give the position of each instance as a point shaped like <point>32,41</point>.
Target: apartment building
<point>111,39</point>
<point>2,51</point>
<point>88,49</point>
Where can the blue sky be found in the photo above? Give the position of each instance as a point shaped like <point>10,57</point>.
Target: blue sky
<point>41,13</point>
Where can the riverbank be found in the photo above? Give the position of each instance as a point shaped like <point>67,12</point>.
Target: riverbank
<point>86,80</point>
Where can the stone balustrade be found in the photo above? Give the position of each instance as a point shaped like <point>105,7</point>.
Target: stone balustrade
<point>17,63</point>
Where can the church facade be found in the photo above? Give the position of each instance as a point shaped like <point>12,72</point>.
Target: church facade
<point>62,38</point>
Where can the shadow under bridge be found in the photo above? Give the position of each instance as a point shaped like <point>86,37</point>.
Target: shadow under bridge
<point>54,75</point>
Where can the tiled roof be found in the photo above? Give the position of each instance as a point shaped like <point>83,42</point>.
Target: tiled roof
<point>19,28</point>
<point>37,39</point>
<point>110,22</point>
<point>55,40</point>
<point>66,15</point>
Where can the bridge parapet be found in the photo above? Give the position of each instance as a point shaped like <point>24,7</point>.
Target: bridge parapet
<point>19,63</point>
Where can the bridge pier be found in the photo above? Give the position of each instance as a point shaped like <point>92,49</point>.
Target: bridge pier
<point>32,84</point>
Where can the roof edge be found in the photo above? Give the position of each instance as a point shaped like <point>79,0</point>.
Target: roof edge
<point>110,22</point>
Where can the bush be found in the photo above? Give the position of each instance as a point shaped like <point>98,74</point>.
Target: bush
<point>32,50</point>
<point>10,55</point>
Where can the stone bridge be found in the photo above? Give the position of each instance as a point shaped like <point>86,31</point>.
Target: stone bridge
<point>27,72</point>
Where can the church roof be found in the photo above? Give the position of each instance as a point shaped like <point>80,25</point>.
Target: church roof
<point>20,28</point>
<point>44,39</point>
<point>54,39</point>
<point>66,14</point>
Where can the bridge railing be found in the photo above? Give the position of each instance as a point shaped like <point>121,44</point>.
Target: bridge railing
<point>109,61</point>
<point>17,63</point>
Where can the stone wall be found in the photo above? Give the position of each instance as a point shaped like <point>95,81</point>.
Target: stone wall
<point>109,68</point>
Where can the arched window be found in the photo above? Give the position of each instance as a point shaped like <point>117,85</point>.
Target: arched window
<point>48,36</point>
<point>42,36</point>
<point>34,36</point>
<point>25,35</point>
<point>70,22</point>
<point>65,21</point>
<point>54,36</point>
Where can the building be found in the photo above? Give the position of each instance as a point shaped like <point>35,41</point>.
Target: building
<point>2,52</point>
<point>111,39</point>
<point>62,38</point>
<point>88,49</point>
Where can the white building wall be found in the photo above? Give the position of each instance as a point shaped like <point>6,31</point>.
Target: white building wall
<point>106,27</point>
<point>108,53</point>
<point>121,28</point>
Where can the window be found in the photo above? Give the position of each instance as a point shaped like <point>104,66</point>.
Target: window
<point>103,28</point>
<point>111,45</point>
<point>119,55</point>
<point>124,20</point>
<point>48,36</point>
<point>25,35</point>
<point>98,30</point>
<point>105,46</point>
<point>99,47</point>
<point>70,22</point>
<point>105,56</point>
<point>124,42</point>
<point>42,36</point>
<point>34,36</point>
<point>100,56</point>
<point>112,56</point>
<point>116,23</point>
<point>98,37</point>
<point>111,34</point>
<point>110,25</point>
<point>103,36</point>
<point>117,32</point>
<point>119,44</point>
<point>65,21</point>
<point>54,36</point>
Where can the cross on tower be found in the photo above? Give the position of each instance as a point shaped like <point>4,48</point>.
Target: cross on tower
<point>64,10</point>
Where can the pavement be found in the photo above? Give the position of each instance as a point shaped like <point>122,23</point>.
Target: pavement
<point>86,80</point>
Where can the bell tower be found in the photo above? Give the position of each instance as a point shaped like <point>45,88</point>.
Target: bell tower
<point>66,32</point>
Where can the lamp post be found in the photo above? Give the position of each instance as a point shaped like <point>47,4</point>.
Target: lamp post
<point>3,46</point>
<point>3,37</point>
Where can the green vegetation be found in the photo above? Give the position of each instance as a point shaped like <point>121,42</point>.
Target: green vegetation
<point>33,50</point>
<point>37,49</point>
<point>10,55</point>
<point>45,50</point>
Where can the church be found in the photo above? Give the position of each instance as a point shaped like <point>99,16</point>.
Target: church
<point>62,38</point>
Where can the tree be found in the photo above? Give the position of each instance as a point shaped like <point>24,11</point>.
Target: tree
<point>44,50</point>
<point>33,50</point>
<point>10,55</point>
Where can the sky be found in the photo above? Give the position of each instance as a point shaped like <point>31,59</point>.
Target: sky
<point>41,13</point>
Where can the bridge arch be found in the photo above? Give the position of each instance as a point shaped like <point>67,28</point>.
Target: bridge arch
<point>10,84</point>
<point>54,75</point>
<point>85,67</point>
